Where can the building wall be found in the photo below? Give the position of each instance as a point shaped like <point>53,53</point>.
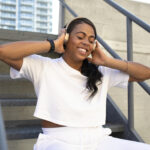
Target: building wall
<point>111,26</point>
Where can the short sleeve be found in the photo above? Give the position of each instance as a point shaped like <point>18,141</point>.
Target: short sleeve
<point>116,78</point>
<point>31,68</point>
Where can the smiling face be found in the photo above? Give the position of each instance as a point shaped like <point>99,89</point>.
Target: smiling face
<point>80,43</point>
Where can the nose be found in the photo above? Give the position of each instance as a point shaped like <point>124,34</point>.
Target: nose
<point>86,42</point>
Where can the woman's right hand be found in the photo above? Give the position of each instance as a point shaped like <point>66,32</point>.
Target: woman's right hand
<point>59,42</point>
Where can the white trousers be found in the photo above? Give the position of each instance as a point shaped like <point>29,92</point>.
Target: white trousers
<point>95,138</point>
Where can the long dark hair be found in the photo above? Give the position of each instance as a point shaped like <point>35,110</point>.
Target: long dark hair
<point>88,69</point>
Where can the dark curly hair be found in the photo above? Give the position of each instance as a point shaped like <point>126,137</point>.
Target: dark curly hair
<point>88,69</point>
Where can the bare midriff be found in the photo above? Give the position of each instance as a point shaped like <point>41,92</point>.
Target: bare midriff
<point>47,124</point>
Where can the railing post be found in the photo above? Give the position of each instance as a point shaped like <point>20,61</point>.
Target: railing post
<point>3,141</point>
<point>130,86</point>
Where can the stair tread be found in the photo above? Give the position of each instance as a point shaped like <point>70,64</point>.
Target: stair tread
<point>23,132</point>
<point>19,123</point>
<point>18,88</point>
<point>7,77</point>
<point>27,129</point>
<point>18,102</point>
<point>22,129</point>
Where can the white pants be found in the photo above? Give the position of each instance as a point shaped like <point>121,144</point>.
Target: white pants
<point>96,138</point>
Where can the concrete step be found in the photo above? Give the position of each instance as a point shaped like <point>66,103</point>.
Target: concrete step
<point>4,68</point>
<point>22,129</point>
<point>18,102</point>
<point>24,132</point>
<point>27,129</point>
<point>24,144</point>
<point>18,88</point>
<point>18,109</point>
<point>18,112</point>
<point>21,123</point>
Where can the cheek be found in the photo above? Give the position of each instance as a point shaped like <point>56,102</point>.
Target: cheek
<point>72,43</point>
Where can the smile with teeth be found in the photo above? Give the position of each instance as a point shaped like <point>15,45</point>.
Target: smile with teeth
<point>83,51</point>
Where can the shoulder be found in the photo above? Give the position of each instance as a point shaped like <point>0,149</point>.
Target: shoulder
<point>39,58</point>
<point>104,70</point>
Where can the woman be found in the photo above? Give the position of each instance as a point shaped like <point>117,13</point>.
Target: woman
<point>72,89</point>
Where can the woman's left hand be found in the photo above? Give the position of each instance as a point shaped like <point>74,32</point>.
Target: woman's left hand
<point>98,56</point>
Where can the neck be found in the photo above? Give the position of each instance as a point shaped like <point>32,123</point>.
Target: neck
<point>73,63</point>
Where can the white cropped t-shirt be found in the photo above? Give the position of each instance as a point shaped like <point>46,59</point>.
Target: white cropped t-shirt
<point>62,94</point>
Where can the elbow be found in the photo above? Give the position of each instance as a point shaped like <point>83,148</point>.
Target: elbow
<point>140,78</point>
<point>145,74</point>
<point>144,77</point>
<point>1,53</point>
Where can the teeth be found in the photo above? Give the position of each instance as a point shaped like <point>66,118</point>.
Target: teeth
<point>82,50</point>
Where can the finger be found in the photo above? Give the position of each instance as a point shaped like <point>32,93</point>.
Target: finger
<point>62,32</point>
<point>62,36</point>
<point>97,44</point>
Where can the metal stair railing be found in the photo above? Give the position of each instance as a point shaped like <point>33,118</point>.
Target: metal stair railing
<point>3,141</point>
<point>130,17</point>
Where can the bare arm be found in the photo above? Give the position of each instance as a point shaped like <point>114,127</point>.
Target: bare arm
<point>136,71</point>
<point>13,53</point>
<point>18,50</point>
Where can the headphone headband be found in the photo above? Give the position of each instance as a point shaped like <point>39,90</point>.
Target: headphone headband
<point>76,18</point>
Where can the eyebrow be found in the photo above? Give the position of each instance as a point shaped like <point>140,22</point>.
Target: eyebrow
<point>85,34</point>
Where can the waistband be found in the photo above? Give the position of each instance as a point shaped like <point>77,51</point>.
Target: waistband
<point>77,135</point>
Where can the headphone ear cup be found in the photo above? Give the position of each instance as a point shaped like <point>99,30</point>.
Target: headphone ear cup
<point>66,38</point>
<point>94,46</point>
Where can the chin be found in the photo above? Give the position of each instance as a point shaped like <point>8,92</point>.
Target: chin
<point>81,58</point>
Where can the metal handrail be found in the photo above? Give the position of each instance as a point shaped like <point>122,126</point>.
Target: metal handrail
<point>129,19</point>
<point>68,8</point>
<point>129,15</point>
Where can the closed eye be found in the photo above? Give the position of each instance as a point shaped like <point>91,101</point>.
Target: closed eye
<point>92,42</point>
<point>79,37</point>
